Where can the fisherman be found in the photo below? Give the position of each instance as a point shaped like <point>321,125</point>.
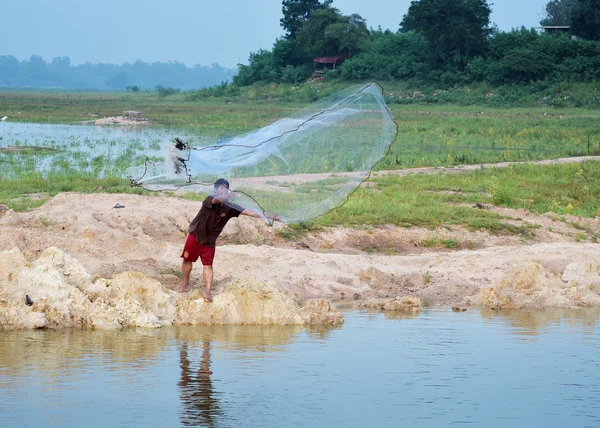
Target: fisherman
<point>205,229</point>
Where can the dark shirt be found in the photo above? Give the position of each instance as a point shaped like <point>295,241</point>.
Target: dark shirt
<point>211,219</point>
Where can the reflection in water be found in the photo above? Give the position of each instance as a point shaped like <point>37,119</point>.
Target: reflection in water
<point>321,331</point>
<point>536,322</point>
<point>200,405</point>
<point>257,337</point>
<point>51,350</point>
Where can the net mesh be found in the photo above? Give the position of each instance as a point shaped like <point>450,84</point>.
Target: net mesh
<point>298,168</point>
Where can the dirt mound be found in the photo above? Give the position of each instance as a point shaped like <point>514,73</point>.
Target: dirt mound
<point>148,234</point>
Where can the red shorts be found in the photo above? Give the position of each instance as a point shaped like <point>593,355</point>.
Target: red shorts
<point>192,250</point>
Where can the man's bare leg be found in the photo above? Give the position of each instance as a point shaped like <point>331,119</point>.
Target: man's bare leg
<point>186,269</point>
<point>208,279</point>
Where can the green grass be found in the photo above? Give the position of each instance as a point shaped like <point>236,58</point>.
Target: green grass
<point>212,117</point>
<point>16,194</point>
<point>444,199</point>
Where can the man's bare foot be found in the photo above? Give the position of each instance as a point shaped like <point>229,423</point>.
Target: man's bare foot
<point>208,297</point>
<point>184,288</point>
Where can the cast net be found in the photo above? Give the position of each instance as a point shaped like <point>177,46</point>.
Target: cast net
<point>298,168</point>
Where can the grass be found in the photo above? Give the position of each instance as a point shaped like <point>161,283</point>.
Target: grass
<point>211,117</point>
<point>16,193</point>
<point>172,271</point>
<point>432,200</point>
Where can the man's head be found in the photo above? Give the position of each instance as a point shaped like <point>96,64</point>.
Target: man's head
<point>221,186</point>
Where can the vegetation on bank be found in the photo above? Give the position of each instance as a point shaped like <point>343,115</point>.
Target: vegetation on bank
<point>428,200</point>
<point>445,43</point>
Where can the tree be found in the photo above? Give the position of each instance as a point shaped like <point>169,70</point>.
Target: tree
<point>261,68</point>
<point>457,30</point>
<point>9,69</point>
<point>349,36</point>
<point>296,12</point>
<point>558,12</point>
<point>36,64</point>
<point>328,32</point>
<point>311,36</point>
<point>61,63</point>
<point>389,56</point>
<point>585,19</point>
<point>289,52</point>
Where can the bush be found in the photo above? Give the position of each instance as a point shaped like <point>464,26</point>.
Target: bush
<point>261,68</point>
<point>295,74</point>
<point>163,92</point>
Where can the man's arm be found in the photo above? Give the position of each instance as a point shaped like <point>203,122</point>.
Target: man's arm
<point>258,214</point>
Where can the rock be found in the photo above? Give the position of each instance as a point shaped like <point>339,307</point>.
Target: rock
<point>321,312</point>
<point>62,294</point>
<point>582,273</point>
<point>254,302</point>
<point>533,286</point>
<point>407,304</point>
<point>458,309</point>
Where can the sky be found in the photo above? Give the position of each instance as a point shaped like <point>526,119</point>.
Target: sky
<point>189,31</point>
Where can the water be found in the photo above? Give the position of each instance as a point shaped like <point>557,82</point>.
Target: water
<point>472,369</point>
<point>100,150</point>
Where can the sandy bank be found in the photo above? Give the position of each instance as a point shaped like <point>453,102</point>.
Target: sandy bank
<point>548,269</point>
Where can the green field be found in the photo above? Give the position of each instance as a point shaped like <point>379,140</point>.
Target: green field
<point>429,135</point>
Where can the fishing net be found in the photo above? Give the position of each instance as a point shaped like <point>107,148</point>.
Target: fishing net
<point>298,168</point>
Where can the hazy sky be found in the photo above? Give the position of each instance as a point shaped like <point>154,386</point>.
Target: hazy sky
<point>189,31</point>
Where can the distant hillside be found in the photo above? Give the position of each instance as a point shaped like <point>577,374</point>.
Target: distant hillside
<point>61,74</point>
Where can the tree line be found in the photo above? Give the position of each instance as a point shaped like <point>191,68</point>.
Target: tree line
<point>444,41</point>
<point>60,73</point>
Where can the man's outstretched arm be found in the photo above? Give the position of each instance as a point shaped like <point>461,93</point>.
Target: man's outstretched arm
<point>258,214</point>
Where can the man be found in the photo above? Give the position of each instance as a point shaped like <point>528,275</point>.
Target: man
<point>206,228</point>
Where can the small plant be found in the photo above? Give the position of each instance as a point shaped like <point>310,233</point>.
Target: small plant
<point>286,233</point>
<point>431,241</point>
<point>449,243</point>
<point>172,271</point>
<point>426,277</point>
<point>163,92</point>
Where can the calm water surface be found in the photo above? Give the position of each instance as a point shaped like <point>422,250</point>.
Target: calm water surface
<point>476,369</point>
